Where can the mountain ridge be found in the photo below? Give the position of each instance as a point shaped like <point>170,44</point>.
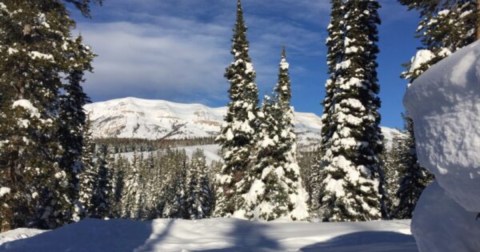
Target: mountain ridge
<point>132,117</point>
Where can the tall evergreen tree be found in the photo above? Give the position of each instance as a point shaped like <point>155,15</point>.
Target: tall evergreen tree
<point>38,53</point>
<point>88,175</point>
<point>351,177</point>
<point>277,190</point>
<point>200,195</point>
<point>335,47</point>
<point>237,136</point>
<point>72,120</point>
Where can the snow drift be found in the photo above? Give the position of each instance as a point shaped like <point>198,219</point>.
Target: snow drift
<point>444,104</point>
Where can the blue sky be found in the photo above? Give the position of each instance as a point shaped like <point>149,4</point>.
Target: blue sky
<point>178,50</point>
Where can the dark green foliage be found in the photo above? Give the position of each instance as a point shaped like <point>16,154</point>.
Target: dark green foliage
<point>413,178</point>
<point>39,82</point>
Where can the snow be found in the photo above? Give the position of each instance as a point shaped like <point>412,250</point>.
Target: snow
<point>444,104</point>
<point>42,56</point>
<point>28,106</point>
<point>168,235</point>
<point>443,224</point>
<point>4,191</point>
<point>284,64</point>
<point>18,234</point>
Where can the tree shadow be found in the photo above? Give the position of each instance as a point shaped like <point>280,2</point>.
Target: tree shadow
<point>366,242</point>
<point>90,235</point>
<point>247,236</point>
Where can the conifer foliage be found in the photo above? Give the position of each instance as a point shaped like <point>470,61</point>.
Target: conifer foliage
<point>445,27</point>
<point>40,98</point>
<point>237,136</point>
<point>277,190</point>
<point>350,173</point>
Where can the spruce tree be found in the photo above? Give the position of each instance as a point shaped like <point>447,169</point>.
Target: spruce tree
<point>101,207</point>
<point>445,27</point>
<point>413,178</point>
<point>351,177</point>
<point>38,52</point>
<point>335,48</point>
<point>237,136</point>
<point>200,195</point>
<point>277,190</point>
<point>88,175</point>
<point>72,120</point>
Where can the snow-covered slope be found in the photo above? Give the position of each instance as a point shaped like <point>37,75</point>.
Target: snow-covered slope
<point>228,235</point>
<point>154,119</point>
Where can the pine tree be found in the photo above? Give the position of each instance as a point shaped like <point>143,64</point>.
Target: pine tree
<point>351,177</point>
<point>88,175</point>
<point>103,188</point>
<point>72,121</point>
<point>335,47</point>
<point>200,193</point>
<point>413,178</point>
<point>445,27</point>
<point>131,192</point>
<point>392,167</point>
<point>176,202</point>
<point>277,190</point>
<point>237,137</point>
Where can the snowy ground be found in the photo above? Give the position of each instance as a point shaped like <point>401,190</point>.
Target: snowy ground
<point>230,235</point>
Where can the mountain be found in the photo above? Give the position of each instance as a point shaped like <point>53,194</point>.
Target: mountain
<point>156,119</point>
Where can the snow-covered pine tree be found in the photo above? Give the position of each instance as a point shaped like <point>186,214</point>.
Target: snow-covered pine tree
<point>103,188</point>
<point>391,167</point>
<point>445,27</point>
<point>200,195</point>
<point>237,136</point>
<point>37,55</point>
<point>351,177</point>
<point>277,190</point>
<point>88,175</point>
<point>413,178</point>
<point>131,188</point>
<point>176,203</point>
<point>335,49</point>
<point>72,120</point>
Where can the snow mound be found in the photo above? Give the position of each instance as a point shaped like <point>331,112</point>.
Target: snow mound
<point>443,224</point>
<point>168,235</point>
<point>18,234</point>
<point>444,104</point>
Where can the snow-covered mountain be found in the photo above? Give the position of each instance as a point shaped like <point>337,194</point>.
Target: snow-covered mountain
<point>155,119</point>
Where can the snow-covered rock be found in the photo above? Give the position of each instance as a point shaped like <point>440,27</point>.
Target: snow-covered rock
<point>444,104</point>
<point>226,235</point>
<point>153,119</point>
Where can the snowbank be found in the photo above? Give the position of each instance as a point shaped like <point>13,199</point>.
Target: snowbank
<point>444,104</point>
<point>220,235</point>
<point>443,224</point>
<point>18,234</point>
